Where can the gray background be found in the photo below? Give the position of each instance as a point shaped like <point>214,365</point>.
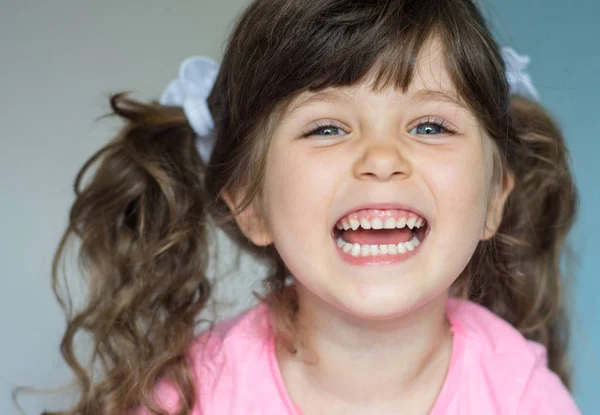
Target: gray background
<point>60,59</point>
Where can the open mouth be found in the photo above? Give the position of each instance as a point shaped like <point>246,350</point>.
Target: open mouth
<point>378,233</point>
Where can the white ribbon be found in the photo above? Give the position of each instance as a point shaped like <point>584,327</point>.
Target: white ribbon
<point>518,80</point>
<point>197,76</point>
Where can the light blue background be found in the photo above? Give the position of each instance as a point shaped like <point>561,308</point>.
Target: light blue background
<point>563,40</point>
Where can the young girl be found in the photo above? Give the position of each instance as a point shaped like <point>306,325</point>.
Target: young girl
<point>391,164</point>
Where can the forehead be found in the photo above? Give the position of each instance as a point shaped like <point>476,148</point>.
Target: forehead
<point>430,81</point>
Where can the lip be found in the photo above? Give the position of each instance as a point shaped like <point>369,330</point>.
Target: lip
<point>381,206</point>
<point>380,259</point>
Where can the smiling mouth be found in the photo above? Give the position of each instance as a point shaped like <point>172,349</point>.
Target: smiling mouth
<point>391,234</point>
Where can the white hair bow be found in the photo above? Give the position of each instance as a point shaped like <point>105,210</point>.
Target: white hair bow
<point>518,80</point>
<point>197,76</point>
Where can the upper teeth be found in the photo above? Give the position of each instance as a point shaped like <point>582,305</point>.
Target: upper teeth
<point>378,223</point>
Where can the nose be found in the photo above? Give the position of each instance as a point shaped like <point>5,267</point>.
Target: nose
<point>382,161</point>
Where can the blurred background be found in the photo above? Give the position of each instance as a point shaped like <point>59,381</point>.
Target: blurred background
<point>59,61</point>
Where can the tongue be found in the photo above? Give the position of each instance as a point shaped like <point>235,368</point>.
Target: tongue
<point>377,237</point>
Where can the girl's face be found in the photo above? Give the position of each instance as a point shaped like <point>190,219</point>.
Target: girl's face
<point>349,156</point>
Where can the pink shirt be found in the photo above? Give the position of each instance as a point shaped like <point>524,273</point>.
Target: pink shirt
<point>493,370</point>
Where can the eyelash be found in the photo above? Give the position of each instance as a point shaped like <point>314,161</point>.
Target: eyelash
<point>439,122</point>
<point>321,125</point>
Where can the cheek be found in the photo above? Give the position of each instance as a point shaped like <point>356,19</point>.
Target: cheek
<point>459,184</point>
<point>297,192</point>
<point>465,193</point>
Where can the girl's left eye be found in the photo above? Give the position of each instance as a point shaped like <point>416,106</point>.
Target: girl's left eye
<point>433,126</point>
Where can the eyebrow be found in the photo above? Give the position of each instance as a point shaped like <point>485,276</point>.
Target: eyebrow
<point>335,96</point>
<point>439,96</point>
<point>332,96</point>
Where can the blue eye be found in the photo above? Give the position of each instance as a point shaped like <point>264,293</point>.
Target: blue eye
<point>324,130</point>
<point>429,129</point>
<point>433,127</point>
<point>331,130</point>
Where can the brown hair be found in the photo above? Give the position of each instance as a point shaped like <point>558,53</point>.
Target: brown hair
<point>141,218</point>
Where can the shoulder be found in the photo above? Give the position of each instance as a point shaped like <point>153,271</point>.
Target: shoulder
<point>232,341</point>
<point>490,333</point>
<point>509,369</point>
<point>231,353</point>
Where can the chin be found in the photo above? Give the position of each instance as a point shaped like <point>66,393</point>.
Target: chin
<point>382,303</point>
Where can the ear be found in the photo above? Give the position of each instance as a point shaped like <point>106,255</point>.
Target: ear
<point>250,221</point>
<point>496,206</point>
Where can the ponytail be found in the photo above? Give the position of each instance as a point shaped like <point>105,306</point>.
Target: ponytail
<point>143,248</point>
<point>517,274</point>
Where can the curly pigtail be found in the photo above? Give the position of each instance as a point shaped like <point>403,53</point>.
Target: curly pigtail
<point>140,223</point>
<point>517,274</point>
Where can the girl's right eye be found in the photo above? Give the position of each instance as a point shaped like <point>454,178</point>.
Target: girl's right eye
<point>324,129</point>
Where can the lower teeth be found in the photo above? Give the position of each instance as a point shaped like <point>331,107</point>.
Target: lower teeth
<point>378,250</point>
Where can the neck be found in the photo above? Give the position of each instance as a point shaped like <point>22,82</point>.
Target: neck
<point>359,361</point>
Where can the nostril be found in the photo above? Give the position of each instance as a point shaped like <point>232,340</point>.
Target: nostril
<point>382,161</point>
<point>383,175</point>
